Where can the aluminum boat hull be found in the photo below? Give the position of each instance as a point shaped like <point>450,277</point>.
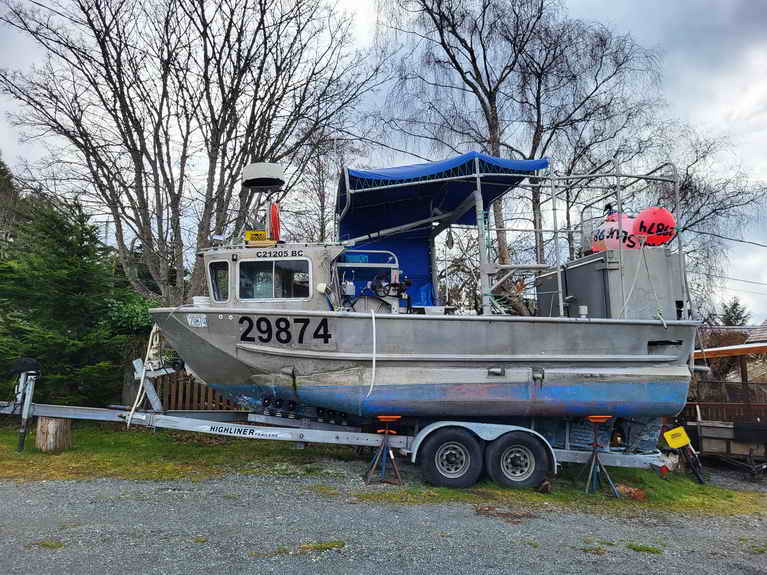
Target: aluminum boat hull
<point>436,366</point>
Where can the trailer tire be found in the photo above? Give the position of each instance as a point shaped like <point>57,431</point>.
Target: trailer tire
<point>451,457</point>
<point>517,460</point>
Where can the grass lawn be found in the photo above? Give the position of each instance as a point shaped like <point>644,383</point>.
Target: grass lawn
<point>109,450</point>
<point>677,493</point>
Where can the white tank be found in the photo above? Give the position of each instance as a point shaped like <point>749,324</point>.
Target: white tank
<point>263,175</point>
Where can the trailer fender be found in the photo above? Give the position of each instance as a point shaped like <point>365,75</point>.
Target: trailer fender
<point>485,431</point>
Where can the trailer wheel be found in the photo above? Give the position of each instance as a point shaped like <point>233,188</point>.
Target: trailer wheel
<point>451,457</point>
<point>518,460</point>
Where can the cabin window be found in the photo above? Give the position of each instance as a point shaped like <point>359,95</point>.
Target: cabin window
<point>283,279</point>
<point>219,281</point>
<point>291,279</point>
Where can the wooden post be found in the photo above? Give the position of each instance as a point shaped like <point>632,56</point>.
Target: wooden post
<point>744,378</point>
<point>53,434</point>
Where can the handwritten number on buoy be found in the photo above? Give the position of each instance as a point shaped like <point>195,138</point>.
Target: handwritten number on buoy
<point>282,331</point>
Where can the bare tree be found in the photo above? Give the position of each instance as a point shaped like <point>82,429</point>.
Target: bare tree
<point>717,200</point>
<point>585,95</point>
<point>517,78</point>
<point>461,58</point>
<point>309,211</point>
<point>160,104</point>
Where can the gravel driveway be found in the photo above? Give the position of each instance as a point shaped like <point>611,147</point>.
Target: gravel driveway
<point>250,524</point>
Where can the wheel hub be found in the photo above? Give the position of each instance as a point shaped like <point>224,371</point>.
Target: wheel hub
<point>517,463</point>
<point>452,459</point>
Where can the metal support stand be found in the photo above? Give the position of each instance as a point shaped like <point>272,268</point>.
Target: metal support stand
<point>25,389</point>
<point>384,454</point>
<point>595,467</point>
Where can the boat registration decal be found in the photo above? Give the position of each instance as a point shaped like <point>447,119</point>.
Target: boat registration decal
<point>197,320</point>
<point>283,329</point>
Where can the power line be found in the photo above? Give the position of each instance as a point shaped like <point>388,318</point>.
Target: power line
<point>744,291</point>
<point>727,238</point>
<point>730,278</point>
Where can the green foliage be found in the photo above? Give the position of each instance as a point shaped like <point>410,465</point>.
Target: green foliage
<point>9,198</point>
<point>642,548</point>
<point>9,194</point>
<point>59,304</point>
<point>7,186</point>
<point>128,312</point>
<point>734,313</point>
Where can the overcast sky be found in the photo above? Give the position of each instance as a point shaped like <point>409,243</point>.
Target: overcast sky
<point>715,78</point>
<point>714,62</point>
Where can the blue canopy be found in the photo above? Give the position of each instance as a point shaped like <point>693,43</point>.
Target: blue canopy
<point>373,200</point>
<point>439,185</point>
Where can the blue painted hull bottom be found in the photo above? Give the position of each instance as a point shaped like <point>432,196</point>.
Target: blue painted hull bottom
<point>577,399</point>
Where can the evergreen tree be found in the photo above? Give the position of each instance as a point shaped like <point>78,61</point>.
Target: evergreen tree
<point>734,313</point>
<point>9,197</point>
<point>60,304</point>
<point>7,185</point>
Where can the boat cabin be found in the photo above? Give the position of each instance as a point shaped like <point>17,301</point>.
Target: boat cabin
<point>278,276</point>
<point>385,260</point>
<point>387,221</point>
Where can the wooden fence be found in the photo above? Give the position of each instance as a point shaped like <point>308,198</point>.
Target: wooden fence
<point>719,411</point>
<point>181,391</point>
<point>710,391</point>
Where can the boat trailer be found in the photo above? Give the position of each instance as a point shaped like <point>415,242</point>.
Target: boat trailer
<point>251,425</point>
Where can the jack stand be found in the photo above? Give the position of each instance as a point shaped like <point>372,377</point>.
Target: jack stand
<point>28,371</point>
<point>596,468</point>
<point>383,454</point>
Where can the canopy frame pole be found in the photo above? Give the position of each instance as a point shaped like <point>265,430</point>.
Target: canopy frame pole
<point>619,205</point>
<point>680,246</point>
<point>434,271</point>
<point>455,215</point>
<point>484,276</point>
<point>348,203</point>
<point>393,231</point>
<point>555,224</point>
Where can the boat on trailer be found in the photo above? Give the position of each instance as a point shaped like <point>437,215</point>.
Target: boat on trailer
<point>355,329</point>
<point>318,342</point>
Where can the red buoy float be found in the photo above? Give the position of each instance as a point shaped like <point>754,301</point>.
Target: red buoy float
<point>655,226</point>
<point>616,230</point>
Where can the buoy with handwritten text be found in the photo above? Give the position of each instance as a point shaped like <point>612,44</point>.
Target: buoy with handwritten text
<point>654,226</point>
<point>615,230</point>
